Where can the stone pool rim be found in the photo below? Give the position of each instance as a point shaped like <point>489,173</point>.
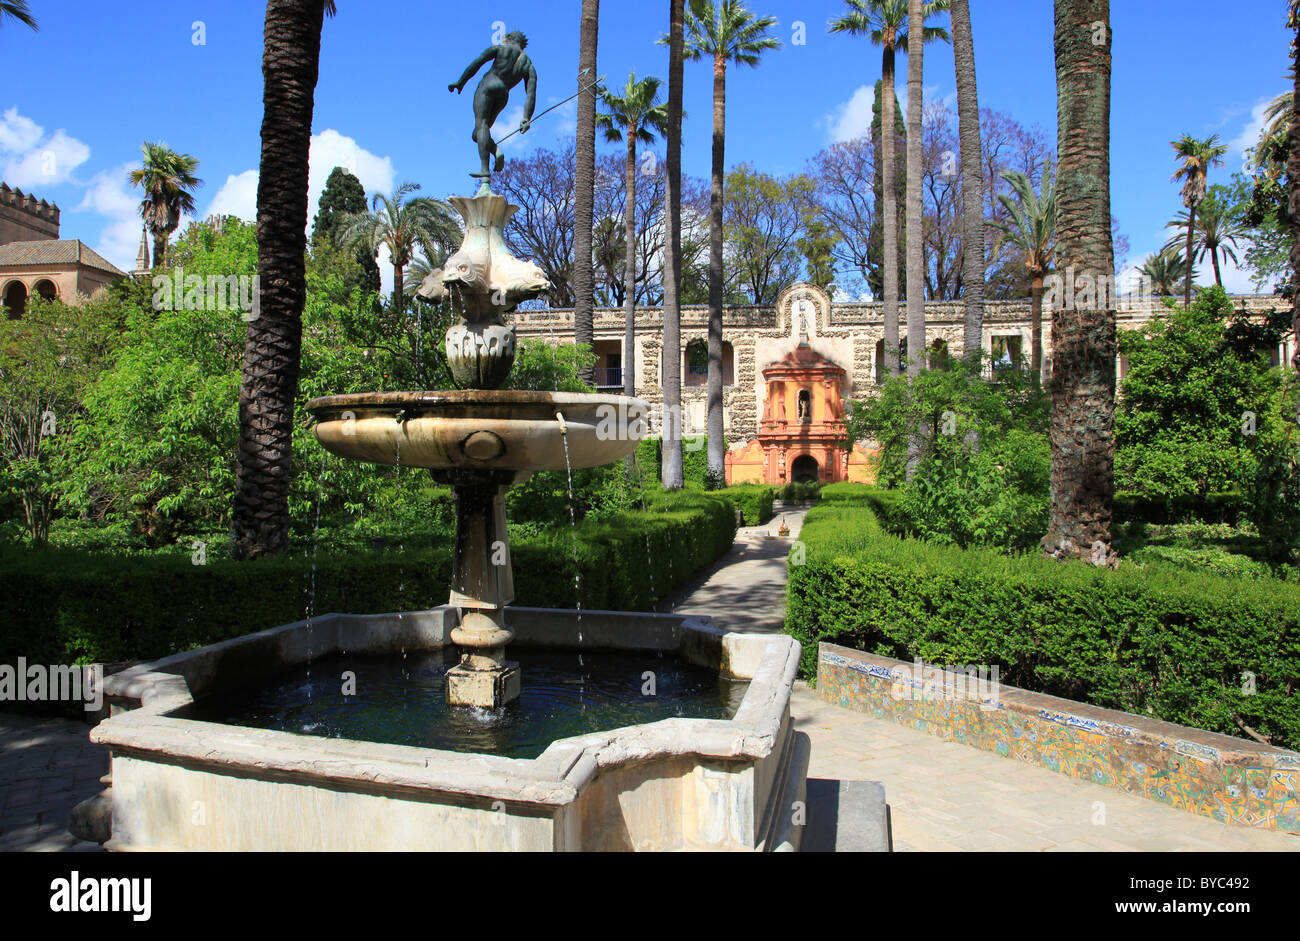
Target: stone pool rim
<point>143,697</point>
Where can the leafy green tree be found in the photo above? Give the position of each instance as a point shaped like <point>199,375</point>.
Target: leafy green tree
<point>342,197</point>
<point>817,246</point>
<point>764,221</point>
<point>48,359</point>
<point>1190,403</point>
<point>992,494</point>
<point>168,181</point>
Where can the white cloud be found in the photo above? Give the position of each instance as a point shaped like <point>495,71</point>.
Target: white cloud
<point>852,119</point>
<point>329,149</point>
<point>109,194</point>
<point>18,133</point>
<point>33,160</point>
<point>237,197</point>
<point>1250,133</point>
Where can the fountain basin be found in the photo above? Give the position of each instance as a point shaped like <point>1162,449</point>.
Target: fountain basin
<point>504,430</point>
<point>673,784</point>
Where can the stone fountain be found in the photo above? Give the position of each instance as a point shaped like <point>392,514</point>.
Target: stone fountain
<point>481,440</point>
<point>189,774</point>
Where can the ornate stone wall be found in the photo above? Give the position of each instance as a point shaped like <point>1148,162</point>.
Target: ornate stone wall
<point>845,333</point>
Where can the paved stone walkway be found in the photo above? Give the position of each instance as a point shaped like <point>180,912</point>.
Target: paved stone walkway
<point>944,796</point>
<point>47,767</point>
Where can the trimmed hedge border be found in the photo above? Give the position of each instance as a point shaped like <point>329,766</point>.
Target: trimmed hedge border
<point>61,606</point>
<point>1210,652</point>
<point>754,501</point>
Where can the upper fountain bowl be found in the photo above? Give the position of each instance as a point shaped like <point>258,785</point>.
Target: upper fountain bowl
<point>503,430</point>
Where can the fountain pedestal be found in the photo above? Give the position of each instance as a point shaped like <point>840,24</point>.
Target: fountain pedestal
<point>482,584</point>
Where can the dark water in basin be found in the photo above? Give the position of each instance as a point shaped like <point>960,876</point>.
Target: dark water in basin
<point>399,700</point>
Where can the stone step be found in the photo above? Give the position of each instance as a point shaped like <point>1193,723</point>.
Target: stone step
<point>846,817</point>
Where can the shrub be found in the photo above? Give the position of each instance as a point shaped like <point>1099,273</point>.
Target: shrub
<point>62,605</point>
<point>754,501</point>
<point>801,492</point>
<point>1177,645</point>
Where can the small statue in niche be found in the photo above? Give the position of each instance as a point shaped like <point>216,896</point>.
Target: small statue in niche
<point>805,406</point>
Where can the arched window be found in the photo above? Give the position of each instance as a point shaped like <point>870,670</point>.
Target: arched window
<point>46,289</point>
<point>696,370</point>
<point>15,299</point>
<point>880,359</point>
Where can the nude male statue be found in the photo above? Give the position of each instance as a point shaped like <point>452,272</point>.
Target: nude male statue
<point>510,66</point>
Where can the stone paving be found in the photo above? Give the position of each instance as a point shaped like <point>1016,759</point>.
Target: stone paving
<point>47,767</point>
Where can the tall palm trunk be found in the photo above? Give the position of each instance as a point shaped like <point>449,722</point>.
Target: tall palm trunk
<point>1083,341</point>
<point>915,220</point>
<point>269,384</point>
<point>717,451</point>
<point>160,237</point>
<point>671,473</point>
<point>629,276</point>
<point>1036,329</point>
<point>915,204</point>
<point>584,276</point>
<point>972,178</point>
<point>399,287</point>
<point>1191,229</point>
<point>889,100</point>
<point>1293,197</point>
<point>1218,274</point>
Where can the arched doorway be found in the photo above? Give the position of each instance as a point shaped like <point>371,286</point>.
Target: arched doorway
<point>15,299</point>
<point>46,289</point>
<point>805,470</point>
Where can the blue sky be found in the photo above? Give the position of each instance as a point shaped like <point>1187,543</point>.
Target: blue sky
<point>80,95</point>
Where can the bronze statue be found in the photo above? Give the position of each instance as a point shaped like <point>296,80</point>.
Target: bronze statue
<point>510,66</point>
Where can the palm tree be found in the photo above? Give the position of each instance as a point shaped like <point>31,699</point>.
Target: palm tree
<point>269,382</point>
<point>401,225</point>
<point>723,31</point>
<point>1197,157</point>
<point>1217,230</point>
<point>584,202</point>
<point>1293,179</point>
<point>671,472</point>
<point>972,177</point>
<point>18,10</point>
<point>915,196</point>
<point>1165,271</point>
<point>168,180</point>
<point>885,23</point>
<point>1084,341</point>
<point>636,115</point>
<point>1277,121</point>
<point>1032,230</point>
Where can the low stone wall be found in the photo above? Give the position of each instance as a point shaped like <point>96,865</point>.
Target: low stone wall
<point>1231,780</point>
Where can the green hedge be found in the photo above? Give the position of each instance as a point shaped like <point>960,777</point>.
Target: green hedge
<point>695,460</point>
<point>60,606</point>
<point>754,501</point>
<point>1216,508</point>
<point>1180,646</point>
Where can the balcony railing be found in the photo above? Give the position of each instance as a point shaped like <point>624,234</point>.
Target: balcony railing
<point>609,378</point>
